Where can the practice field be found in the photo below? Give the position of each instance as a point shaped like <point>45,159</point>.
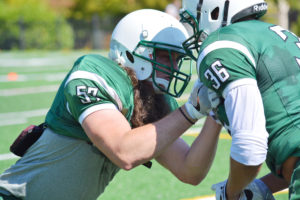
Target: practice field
<point>28,83</point>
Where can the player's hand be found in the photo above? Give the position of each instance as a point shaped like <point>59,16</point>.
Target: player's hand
<point>256,190</point>
<point>213,98</point>
<point>200,102</point>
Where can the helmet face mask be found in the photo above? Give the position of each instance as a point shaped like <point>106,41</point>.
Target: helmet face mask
<point>192,43</point>
<point>136,40</point>
<point>210,15</point>
<point>178,76</point>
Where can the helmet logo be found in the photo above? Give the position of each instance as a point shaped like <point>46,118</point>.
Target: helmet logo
<point>260,7</point>
<point>145,34</point>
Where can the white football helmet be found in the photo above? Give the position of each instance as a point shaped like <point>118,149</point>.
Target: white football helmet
<point>135,40</point>
<point>206,16</point>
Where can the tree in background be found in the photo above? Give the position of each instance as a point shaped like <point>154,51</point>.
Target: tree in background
<point>31,24</point>
<point>83,9</point>
<point>286,12</point>
<point>294,16</point>
<point>65,24</point>
<point>94,20</point>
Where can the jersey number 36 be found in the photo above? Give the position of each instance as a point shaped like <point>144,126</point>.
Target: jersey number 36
<point>217,74</point>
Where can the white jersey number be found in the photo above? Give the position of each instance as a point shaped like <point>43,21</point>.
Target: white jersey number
<point>85,92</point>
<point>216,73</point>
<point>281,33</point>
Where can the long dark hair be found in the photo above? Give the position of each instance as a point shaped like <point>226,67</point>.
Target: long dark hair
<point>148,106</point>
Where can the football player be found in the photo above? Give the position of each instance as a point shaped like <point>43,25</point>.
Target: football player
<point>254,67</point>
<point>106,116</point>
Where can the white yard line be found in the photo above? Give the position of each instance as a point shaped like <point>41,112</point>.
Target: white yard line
<point>42,69</point>
<point>28,90</point>
<point>35,62</point>
<point>8,156</point>
<point>13,118</point>
<point>35,77</point>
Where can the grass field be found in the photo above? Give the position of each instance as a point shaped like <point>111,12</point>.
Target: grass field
<point>28,83</point>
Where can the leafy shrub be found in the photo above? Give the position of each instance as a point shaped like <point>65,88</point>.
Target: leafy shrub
<point>31,24</point>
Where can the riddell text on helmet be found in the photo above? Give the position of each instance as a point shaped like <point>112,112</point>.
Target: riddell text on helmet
<point>260,7</point>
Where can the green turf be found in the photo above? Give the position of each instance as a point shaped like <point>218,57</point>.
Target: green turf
<point>158,183</point>
<point>4,164</point>
<point>25,103</point>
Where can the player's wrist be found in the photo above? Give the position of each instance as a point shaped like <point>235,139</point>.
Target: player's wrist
<point>186,115</point>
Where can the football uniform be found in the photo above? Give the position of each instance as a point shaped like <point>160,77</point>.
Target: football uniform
<point>253,54</point>
<point>63,164</point>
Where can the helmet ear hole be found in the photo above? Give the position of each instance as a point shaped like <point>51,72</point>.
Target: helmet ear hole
<point>130,56</point>
<point>215,13</point>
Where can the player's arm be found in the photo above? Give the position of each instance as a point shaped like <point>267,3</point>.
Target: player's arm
<point>110,132</point>
<point>239,177</point>
<point>234,79</point>
<point>274,183</point>
<point>262,188</point>
<point>126,147</point>
<point>244,109</point>
<point>191,164</point>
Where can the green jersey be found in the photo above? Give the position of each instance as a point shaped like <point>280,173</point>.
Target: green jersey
<point>272,58</point>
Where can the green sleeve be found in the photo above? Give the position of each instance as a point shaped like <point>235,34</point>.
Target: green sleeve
<point>223,66</point>
<point>82,94</point>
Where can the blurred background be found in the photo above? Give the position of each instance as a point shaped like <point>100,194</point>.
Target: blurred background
<point>87,24</point>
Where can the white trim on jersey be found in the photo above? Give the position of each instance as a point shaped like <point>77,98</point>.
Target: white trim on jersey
<point>101,81</point>
<point>298,61</point>
<point>96,108</point>
<point>245,113</point>
<point>225,44</point>
<point>68,108</point>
